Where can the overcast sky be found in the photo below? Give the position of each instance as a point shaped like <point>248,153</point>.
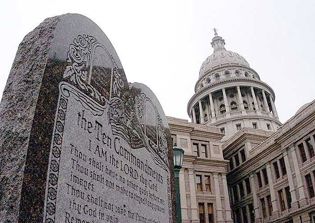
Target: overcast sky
<point>163,43</point>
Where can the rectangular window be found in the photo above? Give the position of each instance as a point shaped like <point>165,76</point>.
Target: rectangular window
<point>196,149</point>
<point>244,213</point>
<point>247,184</point>
<point>235,193</point>
<point>276,169</point>
<point>309,185</point>
<point>243,156</point>
<point>238,126</point>
<point>210,213</point>
<point>204,151</point>
<point>263,207</point>
<point>281,200</point>
<point>199,182</point>
<point>254,125</point>
<point>208,183</point>
<point>282,165</point>
<point>237,160</point>
<point>310,147</point>
<point>251,212</point>
<point>259,179</point>
<point>269,205</point>
<point>302,152</point>
<point>240,185</point>
<point>288,196</point>
<point>264,171</point>
<point>201,208</point>
<point>231,164</point>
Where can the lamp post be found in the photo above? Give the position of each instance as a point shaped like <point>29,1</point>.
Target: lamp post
<point>178,162</point>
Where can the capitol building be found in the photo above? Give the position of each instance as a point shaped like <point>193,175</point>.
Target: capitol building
<point>241,163</point>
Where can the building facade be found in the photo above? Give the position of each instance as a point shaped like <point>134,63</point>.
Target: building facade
<point>271,176</point>
<point>203,183</point>
<point>241,164</point>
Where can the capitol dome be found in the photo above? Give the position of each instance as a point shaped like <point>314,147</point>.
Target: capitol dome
<point>221,57</point>
<point>230,95</point>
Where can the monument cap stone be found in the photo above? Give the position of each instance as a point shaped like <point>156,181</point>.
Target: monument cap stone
<point>78,143</point>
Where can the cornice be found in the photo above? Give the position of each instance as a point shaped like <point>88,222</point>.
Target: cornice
<point>297,123</point>
<point>246,133</point>
<point>239,142</point>
<point>197,130</point>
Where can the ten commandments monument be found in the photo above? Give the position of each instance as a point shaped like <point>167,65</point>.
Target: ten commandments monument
<point>78,143</point>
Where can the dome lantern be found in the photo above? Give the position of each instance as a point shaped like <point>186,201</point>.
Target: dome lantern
<point>217,42</point>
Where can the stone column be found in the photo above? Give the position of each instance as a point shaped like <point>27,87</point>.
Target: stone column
<point>299,181</point>
<point>290,179</point>
<point>208,113</point>
<point>211,106</point>
<point>240,100</point>
<point>226,103</point>
<point>228,216</point>
<point>201,112</point>
<point>255,198</point>
<point>274,110</point>
<point>255,99</point>
<point>265,101</point>
<point>272,191</point>
<point>193,115</point>
<point>306,152</point>
<point>183,201</point>
<point>193,198</point>
<point>218,198</point>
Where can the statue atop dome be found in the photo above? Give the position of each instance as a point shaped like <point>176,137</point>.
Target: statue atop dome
<point>215,32</point>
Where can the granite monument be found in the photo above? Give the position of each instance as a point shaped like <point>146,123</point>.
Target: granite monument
<point>78,143</point>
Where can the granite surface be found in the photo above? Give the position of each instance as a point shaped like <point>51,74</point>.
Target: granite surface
<point>77,141</point>
<point>17,111</point>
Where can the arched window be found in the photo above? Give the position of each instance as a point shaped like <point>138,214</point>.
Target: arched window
<point>227,73</point>
<point>217,76</point>
<point>237,73</point>
<point>245,105</point>
<point>208,80</point>
<point>233,105</point>
<point>222,109</point>
<point>246,74</point>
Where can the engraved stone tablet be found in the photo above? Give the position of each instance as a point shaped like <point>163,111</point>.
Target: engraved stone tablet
<point>78,143</point>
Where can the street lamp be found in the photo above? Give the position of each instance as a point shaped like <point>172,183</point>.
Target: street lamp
<point>178,162</point>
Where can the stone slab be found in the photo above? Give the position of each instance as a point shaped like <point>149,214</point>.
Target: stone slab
<point>78,142</point>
